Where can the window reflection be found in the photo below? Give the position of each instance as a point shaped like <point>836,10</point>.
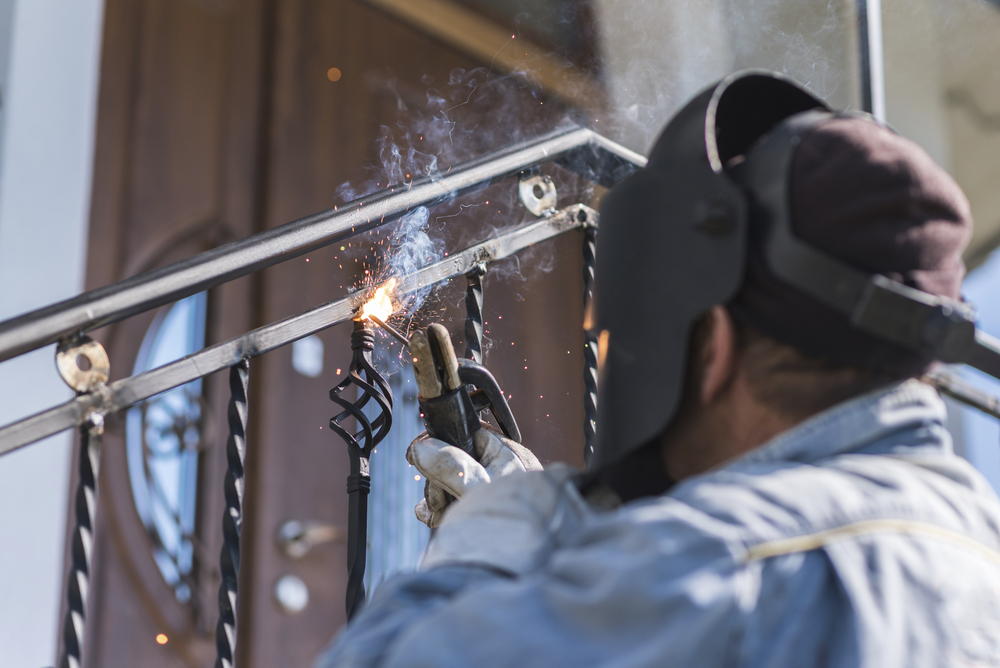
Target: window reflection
<point>396,538</point>
<point>163,437</point>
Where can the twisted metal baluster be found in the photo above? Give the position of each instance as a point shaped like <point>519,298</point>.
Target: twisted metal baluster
<point>232,520</point>
<point>85,508</point>
<point>589,347</point>
<point>474,319</point>
<point>371,386</point>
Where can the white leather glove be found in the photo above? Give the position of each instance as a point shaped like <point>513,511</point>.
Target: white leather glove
<point>450,472</point>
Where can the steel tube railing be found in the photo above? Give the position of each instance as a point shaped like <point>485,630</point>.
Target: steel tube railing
<point>128,391</point>
<point>576,148</point>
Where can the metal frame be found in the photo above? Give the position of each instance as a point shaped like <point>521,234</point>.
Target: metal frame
<point>872,64</point>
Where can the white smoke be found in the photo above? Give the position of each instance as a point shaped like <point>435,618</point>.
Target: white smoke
<point>651,58</point>
<point>438,127</point>
<point>412,249</point>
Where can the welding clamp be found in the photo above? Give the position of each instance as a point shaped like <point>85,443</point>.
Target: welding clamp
<point>453,392</point>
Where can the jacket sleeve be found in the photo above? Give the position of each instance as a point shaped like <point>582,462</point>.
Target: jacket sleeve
<point>626,594</point>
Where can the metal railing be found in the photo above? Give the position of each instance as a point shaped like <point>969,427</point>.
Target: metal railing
<point>83,363</point>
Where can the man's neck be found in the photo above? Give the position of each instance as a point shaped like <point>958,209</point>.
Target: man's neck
<point>712,435</point>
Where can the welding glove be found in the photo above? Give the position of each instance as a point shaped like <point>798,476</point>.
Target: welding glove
<point>450,472</point>
<point>511,525</point>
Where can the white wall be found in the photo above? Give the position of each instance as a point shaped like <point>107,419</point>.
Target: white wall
<point>46,156</point>
<point>657,55</point>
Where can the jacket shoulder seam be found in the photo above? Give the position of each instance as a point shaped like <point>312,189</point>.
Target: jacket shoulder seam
<point>820,539</point>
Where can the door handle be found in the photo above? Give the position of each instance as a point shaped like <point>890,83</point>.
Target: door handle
<point>297,537</point>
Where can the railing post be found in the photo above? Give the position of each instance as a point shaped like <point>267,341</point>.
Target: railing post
<point>870,55</point>
<point>589,346</point>
<point>474,311</point>
<point>232,519</point>
<point>85,509</point>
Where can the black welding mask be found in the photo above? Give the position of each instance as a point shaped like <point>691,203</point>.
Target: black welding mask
<point>674,241</point>
<point>672,244</point>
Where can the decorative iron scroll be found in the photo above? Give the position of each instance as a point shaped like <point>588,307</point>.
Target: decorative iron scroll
<point>232,520</point>
<point>371,386</point>
<point>84,509</point>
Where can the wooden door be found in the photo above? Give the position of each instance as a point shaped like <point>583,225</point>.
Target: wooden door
<point>220,118</point>
<point>178,157</point>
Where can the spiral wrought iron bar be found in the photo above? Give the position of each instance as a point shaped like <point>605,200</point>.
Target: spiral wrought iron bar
<point>474,311</point>
<point>371,386</point>
<point>232,519</point>
<point>589,346</point>
<point>85,508</point>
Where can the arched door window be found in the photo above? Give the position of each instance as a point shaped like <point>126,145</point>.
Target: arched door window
<point>163,439</point>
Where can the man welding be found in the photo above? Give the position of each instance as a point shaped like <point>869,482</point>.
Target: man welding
<point>772,484</point>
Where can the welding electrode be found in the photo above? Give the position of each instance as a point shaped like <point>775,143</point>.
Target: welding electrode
<point>392,331</point>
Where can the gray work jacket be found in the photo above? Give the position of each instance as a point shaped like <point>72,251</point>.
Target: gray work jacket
<point>857,538</point>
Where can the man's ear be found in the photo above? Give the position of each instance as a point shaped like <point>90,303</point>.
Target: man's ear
<point>719,356</point>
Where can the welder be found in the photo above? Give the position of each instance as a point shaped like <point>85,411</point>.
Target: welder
<point>773,483</point>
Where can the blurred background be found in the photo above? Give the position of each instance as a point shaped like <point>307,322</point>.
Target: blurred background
<point>134,133</point>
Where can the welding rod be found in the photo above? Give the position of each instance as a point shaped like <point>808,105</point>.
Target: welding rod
<point>396,334</point>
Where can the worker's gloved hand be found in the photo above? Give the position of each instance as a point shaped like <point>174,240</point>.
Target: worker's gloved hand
<point>511,525</point>
<point>450,472</point>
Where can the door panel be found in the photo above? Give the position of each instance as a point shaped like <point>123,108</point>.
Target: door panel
<point>176,159</point>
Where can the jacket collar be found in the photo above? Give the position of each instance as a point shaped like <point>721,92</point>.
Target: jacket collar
<point>859,424</point>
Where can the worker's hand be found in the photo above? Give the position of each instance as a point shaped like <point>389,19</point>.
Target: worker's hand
<point>510,525</point>
<point>450,472</point>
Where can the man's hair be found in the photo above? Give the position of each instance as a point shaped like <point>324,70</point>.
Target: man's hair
<point>783,378</point>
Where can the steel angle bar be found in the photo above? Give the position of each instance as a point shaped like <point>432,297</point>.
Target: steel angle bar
<point>128,391</point>
<point>950,383</point>
<point>579,149</point>
<point>985,354</point>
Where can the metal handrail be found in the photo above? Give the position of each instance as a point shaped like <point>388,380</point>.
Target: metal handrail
<point>578,149</point>
<point>128,391</point>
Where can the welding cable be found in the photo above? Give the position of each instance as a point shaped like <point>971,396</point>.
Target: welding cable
<point>474,318</point>
<point>85,508</point>
<point>232,520</point>
<point>589,347</point>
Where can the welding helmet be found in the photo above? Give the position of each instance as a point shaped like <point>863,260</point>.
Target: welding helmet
<point>673,242</point>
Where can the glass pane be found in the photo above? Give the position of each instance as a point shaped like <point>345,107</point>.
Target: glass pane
<point>396,539</point>
<point>163,437</point>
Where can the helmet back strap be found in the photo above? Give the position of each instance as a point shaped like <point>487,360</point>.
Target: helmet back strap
<point>933,326</point>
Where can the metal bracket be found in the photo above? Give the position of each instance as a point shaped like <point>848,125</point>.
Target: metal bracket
<point>537,193</point>
<point>83,363</point>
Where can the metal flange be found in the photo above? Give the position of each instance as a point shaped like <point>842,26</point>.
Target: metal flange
<point>83,364</point>
<point>537,193</point>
